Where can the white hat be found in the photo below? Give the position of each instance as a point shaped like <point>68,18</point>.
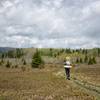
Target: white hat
<point>67,58</point>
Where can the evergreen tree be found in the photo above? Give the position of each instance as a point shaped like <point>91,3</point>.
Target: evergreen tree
<point>16,66</point>
<point>73,51</point>
<point>8,64</point>
<point>83,51</point>
<point>55,55</point>
<point>19,53</point>
<point>68,50</point>
<point>90,61</point>
<point>3,55</point>
<point>37,60</point>
<point>86,51</point>
<point>24,62</point>
<point>86,59</point>
<point>81,61</point>
<point>1,62</point>
<point>51,52</point>
<point>62,50</point>
<point>77,60</point>
<point>58,53</point>
<point>94,60</point>
<point>11,54</point>
<point>98,51</point>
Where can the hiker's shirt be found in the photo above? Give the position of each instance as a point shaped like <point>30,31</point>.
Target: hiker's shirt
<point>67,64</point>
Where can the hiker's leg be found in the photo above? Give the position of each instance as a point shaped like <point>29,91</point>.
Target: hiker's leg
<point>68,73</point>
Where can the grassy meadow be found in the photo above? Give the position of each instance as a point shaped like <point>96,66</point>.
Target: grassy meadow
<point>19,81</point>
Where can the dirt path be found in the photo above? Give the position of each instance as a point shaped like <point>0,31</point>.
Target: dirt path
<point>95,90</point>
<point>90,88</point>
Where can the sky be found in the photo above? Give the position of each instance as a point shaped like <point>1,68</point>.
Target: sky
<point>50,23</point>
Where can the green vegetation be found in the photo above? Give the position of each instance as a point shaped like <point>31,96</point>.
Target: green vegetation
<point>16,66</point>
<point>77,60</point>
<point>37,60</point>
<point>17,53</point>
<point>92,60</point>
<point>79,56</point>
<point>24,61</point>
<point>8,64</point>
<point>86,59</point>
<point>1,62</point>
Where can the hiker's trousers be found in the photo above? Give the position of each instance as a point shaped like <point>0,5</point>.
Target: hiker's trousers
<point>67,71</point>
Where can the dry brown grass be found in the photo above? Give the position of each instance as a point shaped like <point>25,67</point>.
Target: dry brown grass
<point>88,73</point>
<point>38,84</point>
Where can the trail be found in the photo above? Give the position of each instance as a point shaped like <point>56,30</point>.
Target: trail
<point>87,85</point>
<point>93,89</point>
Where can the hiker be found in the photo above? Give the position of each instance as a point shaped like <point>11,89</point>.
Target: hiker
<point>67,66</point>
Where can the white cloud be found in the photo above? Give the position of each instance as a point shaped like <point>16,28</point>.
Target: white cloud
<point>92,9</point>
<point>49,23</point>
<point>7,4</point>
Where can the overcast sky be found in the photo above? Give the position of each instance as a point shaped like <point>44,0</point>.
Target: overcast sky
<point>50,23</point>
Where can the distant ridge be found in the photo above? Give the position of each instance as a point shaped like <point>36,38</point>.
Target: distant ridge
<point>5,49</point>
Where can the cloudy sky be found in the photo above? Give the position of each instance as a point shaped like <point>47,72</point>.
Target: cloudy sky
<point>50,23</point>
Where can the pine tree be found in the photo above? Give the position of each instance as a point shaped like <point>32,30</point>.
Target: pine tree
<point>2,55</point>
<point>77,60</point>
<point>68,50</point>
<point>94,60</point>
<point>86,59</point>
<point>24,62</point>
<point>19,53</point>
<point>51,52</point>
<point>37,60</point>
<point>81,61</point>
<point>90,62</point>
<point>8,64</point>
<point>98,51</point>
<point>2,61</point>
<point>55,55</point>
<point>10,54</point>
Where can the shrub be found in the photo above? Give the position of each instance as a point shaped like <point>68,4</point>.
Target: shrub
<point>92,61</point>
<point>24,61</point>
<point>8,64</point>
<point>16,66</point>
<point>77,60</point>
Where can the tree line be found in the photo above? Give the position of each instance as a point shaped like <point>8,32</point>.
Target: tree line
<point>86,60</point>
<point>18,53</point>
<point>37,61</point>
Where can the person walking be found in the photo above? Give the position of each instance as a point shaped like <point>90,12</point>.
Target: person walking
<point>67,66</point>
